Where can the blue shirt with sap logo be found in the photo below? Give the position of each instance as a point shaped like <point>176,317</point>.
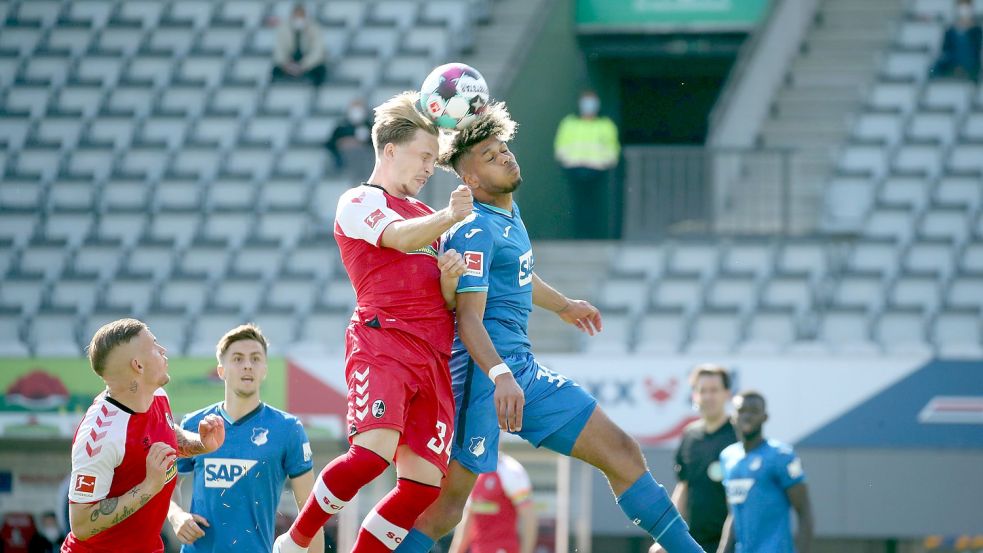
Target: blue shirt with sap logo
<point>756,482</point>
<point>498,255</point>
<point>237,487</point>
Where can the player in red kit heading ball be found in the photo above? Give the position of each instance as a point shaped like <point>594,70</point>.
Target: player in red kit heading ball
<point>400,403</point>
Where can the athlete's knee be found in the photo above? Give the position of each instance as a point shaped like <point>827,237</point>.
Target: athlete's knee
<point>443,514</point>
<point>625,459</point>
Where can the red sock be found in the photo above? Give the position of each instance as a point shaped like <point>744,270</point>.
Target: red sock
<point>337,485</point>
<point>391,519</point>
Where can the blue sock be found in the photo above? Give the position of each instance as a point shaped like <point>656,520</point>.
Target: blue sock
<point>647,504</point>
<point>415,542</point>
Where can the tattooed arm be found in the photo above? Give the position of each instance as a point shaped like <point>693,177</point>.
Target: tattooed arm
<point>210,436</point>
<point>88,519</point>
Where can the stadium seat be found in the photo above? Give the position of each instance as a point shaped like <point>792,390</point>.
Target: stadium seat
<point>879,127</point>
<point>893,97</point>
<point>788,292</point>
<point>295,294</point>
<point>378,41</point>
<point>338,295</point>
<point>121,42</point>
<point>101,70</point>
<point>281,226</point>
<point>42,259</point>
<point>873,256</point>
<point>920,35</point>
<point>75,293</point>
<point>66,131</point>
<point>38,12</point>
<point>693,259</point>
<point>902,332</point>
<point>859,290</point>
<point>615,339</point>
<point>204,260</point>
<point>929,257</point>
<point>625,294</point>
<point>960,192</point>
<point>280,330</point>
<point>683,293</point>
<point>100,257</point>
<point>180,226</point>
<point>349,13</point>
<point>284,194</point>
<point>311,260</point>
<point>55,334</point>
<point>258,260</point>
<point>863,160</point>
<point>921,292</point>
<point>966,291</point>
<point>948,224</point>
<point>948,95</point>
<point>966,158</point>
<point>972,128</point>
<point>971,259</point>
<point>22,294</point>
<point>956,329</point>
<point>230,227</point>
<point>661,331</point>
<point>733,292</point>
<point>433,41</point>
<point>234,294</point>
<point>170,329</point>
<point>132,295</point>
<point>326,329</point>
<point>11,344</point>
<point>247,13</point>
<point>21,195</point>
<point>905,193</point>
<point>227,194</point>
<point>155,259</point>
<point>225,41</point>
<point>183,294</point>
<point>772,326</point>
<point>939,128</point>
<point>71,226</point>
<point>207,329</point>
<point>178,195</point>
<point>846,330</point>
<point>197,164</point>
<point>918,160</point>
<point>334,98</point>
<point>94,13</point>
<point>896,224</point>
<point>715,331</point>
<point>17,226</point>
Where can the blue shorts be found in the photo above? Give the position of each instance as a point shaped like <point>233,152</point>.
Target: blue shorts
<point>555,412</point>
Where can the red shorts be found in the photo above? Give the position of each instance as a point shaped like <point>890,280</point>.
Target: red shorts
<point>396,380</point>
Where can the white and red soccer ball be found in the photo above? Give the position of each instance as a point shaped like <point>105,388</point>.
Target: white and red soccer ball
<point>453,94</point>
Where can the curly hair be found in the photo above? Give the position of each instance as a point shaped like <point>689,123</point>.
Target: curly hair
<point>494,122</point>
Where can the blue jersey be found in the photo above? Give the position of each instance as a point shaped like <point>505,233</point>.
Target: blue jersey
<point>756,483</point>
<point>237,487</point>
<point>498,255</point>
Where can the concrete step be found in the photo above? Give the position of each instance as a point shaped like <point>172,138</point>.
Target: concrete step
<point>874,34</point>
<point>793,106</point>
<point>799,138</point>
<point>840,124</point>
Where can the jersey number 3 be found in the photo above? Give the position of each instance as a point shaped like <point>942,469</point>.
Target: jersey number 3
<point>439,444</point>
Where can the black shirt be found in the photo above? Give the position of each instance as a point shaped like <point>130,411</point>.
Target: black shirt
<point>698,464</point>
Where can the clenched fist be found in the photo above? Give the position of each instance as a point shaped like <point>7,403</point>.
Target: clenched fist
<point>451,264</point>
<point>461,204</point>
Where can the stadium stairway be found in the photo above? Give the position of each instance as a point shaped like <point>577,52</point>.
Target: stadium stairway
<point>498,43</point>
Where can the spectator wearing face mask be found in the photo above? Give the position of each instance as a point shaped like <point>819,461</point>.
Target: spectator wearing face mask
<point>960,53</point>
<point>299,53</point>
<point>587,148</point>
<point>49,536</point>
<point>351,141</point>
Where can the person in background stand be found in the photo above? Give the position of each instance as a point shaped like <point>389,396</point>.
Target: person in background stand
<point>299,52</point>
<point>587,148</point>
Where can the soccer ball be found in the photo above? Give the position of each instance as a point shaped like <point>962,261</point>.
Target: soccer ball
<point>453,94</point>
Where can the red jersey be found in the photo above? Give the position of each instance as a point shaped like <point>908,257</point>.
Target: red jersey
<point>398,290</point>
<point>493,506</point>
<point>109,457</point>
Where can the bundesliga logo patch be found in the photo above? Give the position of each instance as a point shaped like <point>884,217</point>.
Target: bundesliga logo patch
<point>475,263</point>
<point>85,484</point>
<point>373,219</point>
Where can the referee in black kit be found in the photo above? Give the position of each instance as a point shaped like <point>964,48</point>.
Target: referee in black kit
<point>699,495</point>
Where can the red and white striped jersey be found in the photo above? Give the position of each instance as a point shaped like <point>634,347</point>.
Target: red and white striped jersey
<point>494,504</point>
<point>393,289</point>
<point>109,457</point>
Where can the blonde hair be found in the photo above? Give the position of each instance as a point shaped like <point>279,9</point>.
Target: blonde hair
<point>248,331</point>
<point>494,121</point>
<point>397,120</point>
<point>109,337</point>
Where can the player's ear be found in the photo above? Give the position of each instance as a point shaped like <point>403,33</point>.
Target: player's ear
<point>221,372</point>
<point>135,365</point>
<point>389,150</point>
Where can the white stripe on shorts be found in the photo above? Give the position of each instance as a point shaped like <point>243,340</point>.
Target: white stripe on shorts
<point>388,533</point>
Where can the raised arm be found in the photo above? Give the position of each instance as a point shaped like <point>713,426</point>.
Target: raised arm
<point>409,235</point>
<point>210,436</point>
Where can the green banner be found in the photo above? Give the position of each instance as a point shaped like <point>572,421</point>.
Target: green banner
<point>46,397</point>
<point>669,15</point>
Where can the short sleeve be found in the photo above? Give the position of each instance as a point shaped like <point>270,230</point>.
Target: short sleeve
<point>187,464</point>
<point>476,245</point>
<point>365,216</point>
<point>515,480</point>
<point>93,466</point>
<point>787,469</point>
<point>298,458</point>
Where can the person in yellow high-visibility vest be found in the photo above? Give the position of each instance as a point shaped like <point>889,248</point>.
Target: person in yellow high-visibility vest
<point>587,148</point>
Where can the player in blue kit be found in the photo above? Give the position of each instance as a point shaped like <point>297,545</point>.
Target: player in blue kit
<point>763,479</point>
<point>237,487</point>
<point>497,382</point>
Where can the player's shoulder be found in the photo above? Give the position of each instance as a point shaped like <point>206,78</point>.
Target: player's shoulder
<point>734,450</point>
<point>197,415</point>
<point>279,416</point>
<point>367,195</point>
<point>469,227</point>
<point>780,448</point>
<point>103,427</point>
